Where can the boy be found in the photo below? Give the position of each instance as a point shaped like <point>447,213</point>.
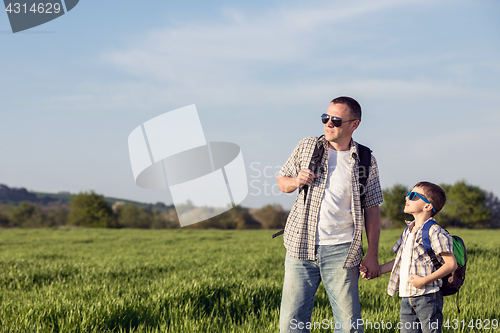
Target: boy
<point>412,272</point>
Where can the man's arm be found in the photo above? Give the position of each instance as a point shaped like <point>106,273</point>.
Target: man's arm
<point>290,184</point>
<point>450,264</point>
<point>372,226</point>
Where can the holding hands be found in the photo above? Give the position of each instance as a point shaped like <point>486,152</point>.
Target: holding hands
<point>368,272</point>
<point>363,271</point>
<point>415,280</point>
<point>369,267</point>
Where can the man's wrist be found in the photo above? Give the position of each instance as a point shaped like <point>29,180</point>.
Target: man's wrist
<point>371,254</point>
<point>296,182</point>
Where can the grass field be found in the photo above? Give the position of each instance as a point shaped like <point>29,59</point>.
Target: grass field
<point>102,280</point>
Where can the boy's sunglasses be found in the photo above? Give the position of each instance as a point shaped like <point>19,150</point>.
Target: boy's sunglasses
<point>336,121</point>
<point>414,196</point>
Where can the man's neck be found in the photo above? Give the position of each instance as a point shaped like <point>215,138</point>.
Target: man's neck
<point>340,146</point>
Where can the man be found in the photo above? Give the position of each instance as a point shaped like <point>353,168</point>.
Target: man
<point>323,231</point>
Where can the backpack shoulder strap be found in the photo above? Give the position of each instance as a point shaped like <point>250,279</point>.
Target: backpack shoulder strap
<point>427,243</point>
<point>314,163</point>
<point>365,160</point>
<point>317,155</point>
<point>425,235</point>
<point>365,155</point>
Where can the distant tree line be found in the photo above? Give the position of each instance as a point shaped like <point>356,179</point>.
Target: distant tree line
<point>467,206</point>
<point>91,210</point>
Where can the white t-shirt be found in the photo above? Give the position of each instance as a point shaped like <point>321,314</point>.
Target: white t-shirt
<point>335,221</point>
<point>404,271</point>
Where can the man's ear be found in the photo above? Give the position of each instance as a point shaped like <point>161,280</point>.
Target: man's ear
<point>355,124</point>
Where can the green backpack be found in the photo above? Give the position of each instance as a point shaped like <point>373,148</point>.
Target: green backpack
<point>453,281</point>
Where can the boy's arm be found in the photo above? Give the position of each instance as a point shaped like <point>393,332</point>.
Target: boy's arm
<point>449,266</point>
<point>385,268</point>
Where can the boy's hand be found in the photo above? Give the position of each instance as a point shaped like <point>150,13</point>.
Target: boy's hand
<point>363,271</point>
<point>417,281</point>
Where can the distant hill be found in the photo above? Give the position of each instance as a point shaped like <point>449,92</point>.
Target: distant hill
<point>17,195</point>
<point>52,210</point>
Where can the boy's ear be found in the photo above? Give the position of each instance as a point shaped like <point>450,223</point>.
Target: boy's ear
<point>428,207</point>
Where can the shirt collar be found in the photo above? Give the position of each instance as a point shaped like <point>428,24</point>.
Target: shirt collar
<point>353,151</point>
<point>412,223</point>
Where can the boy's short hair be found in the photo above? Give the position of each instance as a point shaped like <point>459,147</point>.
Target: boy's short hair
<point>435,194</point>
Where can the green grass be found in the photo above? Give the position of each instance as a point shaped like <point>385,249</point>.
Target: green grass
<point>101,280</point>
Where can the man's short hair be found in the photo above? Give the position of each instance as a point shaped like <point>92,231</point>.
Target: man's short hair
<point>435,194</point>
<point>351,103</point>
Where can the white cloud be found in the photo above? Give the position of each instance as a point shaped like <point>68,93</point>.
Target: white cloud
<point>250,57</point>
<point>240,50</point>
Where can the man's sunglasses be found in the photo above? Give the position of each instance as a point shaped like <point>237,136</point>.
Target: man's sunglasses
<point>414,196</point>
<point>336,121</point>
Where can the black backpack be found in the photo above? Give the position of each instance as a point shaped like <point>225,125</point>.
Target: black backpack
<point>365,159</point>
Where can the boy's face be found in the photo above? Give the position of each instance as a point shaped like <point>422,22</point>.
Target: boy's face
<point>416,206</point>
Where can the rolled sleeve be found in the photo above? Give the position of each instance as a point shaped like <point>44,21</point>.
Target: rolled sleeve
<point>373,189</point>
<point>441,241</point>
<point>396,246</point>
<point>292,166</point>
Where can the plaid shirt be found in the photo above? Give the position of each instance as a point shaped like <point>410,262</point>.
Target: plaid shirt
<point>421,263</point>
<point>300,228</point>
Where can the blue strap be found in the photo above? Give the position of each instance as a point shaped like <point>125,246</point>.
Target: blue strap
<point>425,235</point>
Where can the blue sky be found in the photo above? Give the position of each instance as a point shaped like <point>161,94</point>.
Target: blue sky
<point>426,74</point>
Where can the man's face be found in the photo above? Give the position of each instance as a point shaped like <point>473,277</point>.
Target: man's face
<point>344,132</point>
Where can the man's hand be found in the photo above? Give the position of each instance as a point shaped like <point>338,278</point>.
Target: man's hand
<point>305,177</point>
<point>417,281</point>
<point>290,184</point>
<point>370,264</point>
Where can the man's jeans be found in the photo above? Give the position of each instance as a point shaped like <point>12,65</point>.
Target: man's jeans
<point>302,278</point>
<point>422,313</point>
